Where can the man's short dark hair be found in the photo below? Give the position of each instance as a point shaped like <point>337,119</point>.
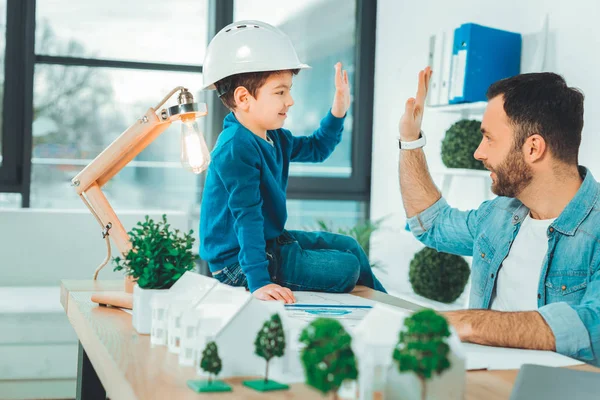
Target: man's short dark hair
<point>252,81</point>
<point>542,103</point>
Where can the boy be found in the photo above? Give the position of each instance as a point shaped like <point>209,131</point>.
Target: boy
<point>242,235</point>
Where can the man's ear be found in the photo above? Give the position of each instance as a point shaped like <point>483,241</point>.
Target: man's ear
<point>535,148</point>
<point>242,98</point>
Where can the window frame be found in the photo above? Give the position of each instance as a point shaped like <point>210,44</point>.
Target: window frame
<point>18,93</point>
<point>358,186</point>
<point>20,61</point>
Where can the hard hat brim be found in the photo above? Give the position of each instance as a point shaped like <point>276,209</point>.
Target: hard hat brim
<point>211,86</point>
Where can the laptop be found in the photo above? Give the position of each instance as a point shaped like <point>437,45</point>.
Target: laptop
<point>551,383</point>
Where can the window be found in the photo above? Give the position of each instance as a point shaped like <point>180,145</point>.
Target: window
<point>305,214</point>
<point>10,200</point>
<point>321,49</point>
<point>79,111</point>
<point>154,31</point>
<point>2,53</point>
<point>79,73</point>
<point>89,87</point>
<point>325,32</point>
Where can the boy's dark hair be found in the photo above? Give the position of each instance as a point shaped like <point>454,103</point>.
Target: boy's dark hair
<point>252,81</point>
<point>542,103</point>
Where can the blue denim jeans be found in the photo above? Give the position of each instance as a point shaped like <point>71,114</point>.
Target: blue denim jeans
<point>312,261</point>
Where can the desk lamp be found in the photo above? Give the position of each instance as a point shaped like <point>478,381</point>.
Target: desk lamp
<point>88,184</point>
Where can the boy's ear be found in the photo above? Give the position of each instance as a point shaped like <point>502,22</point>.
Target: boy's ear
<point>241,97</point>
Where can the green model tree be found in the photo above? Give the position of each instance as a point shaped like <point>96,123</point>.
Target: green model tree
<point>269,343</point>
<point>422,346</point>
<point>327,357</point>
<point>211,363</point>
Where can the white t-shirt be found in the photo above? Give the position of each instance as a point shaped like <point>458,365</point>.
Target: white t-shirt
<point>519,275</point>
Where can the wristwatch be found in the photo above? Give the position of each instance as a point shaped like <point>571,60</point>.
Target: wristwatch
<point>415,144</point>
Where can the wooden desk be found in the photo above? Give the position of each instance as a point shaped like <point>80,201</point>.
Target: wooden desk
<point>115,358</point>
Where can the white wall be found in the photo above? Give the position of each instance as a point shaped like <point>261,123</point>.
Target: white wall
<point>41,247</point>
<point>403,30</point>
<point>38,249</point>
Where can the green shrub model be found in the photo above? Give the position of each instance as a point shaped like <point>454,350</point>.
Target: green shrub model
<point>159,255</point>
<point>438,276</point>
<point>459,145</point>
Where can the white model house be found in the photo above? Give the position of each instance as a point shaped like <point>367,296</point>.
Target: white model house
<point>169,305</point>
<point>160,308</point>
<point>232,318</point>
<point>374,340</point>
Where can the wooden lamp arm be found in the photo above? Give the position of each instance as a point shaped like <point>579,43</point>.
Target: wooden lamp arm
<point>89,182</point>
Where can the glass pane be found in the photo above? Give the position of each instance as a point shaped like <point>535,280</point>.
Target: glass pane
<point>306,214</point>
<point>172,32</point>
<point>320,48</point>
<point>10,200</point>
<point>79,111</point>
<point>2,49</point>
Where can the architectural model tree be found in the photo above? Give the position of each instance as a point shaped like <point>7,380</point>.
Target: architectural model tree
<point>327,357</point>
<point>269,343</point>
<point>422,346</point>
<point>211,363</point>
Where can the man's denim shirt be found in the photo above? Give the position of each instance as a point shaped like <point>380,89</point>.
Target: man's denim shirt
<point>569,287</point>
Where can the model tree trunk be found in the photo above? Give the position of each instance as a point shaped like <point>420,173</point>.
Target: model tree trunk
<point>423,388</point>
<point>267,372</point>
<point>270,341</point>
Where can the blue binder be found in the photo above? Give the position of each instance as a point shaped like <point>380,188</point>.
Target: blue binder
<point>480,57</point>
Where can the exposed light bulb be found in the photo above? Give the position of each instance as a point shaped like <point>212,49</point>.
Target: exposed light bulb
<point>195,156</point>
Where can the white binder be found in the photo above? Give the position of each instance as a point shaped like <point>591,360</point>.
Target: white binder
<point>446,68</point>
<point>435,62</point>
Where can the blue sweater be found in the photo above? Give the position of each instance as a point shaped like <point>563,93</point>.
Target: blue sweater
<point>244,198</point>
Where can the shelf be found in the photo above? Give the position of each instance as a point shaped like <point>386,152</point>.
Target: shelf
<point>534,51</point>
<point>462,108</point>
<point>448,175</point>
<point>475,173</point>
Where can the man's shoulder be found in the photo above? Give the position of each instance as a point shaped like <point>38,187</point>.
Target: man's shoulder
<point>591,224</point>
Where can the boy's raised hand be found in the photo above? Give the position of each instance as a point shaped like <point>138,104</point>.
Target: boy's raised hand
<point>341,99</point>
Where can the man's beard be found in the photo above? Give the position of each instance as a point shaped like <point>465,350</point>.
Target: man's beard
<point>512,175</point>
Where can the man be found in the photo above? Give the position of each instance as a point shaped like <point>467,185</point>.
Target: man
<point>535,247</point>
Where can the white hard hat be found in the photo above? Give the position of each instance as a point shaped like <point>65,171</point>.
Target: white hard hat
<point>248,46</point>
